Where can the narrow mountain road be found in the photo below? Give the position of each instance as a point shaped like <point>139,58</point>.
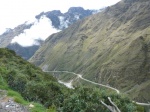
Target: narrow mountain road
<point>80,76</point>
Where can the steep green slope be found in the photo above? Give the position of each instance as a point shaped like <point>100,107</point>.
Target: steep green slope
<point>28,84</point>
<point>19,75</point>
<point>111,47</point>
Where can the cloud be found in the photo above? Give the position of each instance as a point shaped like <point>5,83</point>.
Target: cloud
<point>40,30</point>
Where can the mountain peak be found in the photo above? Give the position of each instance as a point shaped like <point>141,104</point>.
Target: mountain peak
<point>75,9</point>
<point>54,12</point>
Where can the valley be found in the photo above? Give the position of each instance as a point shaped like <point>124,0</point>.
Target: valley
<point>110,47</point>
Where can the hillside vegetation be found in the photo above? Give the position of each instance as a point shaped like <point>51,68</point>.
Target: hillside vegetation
<point>19,75</point>
<point>111,47</point>
<point>27,84</point>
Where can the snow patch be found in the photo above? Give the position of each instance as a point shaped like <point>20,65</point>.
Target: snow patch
<point>63,23</point>
<point>40,29</point>
<point>76,17</point>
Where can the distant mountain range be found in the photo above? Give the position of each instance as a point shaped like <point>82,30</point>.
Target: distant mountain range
<point>111,47</point>
<point>23,38</point>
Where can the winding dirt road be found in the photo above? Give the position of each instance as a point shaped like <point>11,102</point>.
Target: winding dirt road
<point>80,76</point>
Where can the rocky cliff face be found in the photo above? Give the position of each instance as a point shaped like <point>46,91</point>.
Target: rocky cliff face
<point>111,47</point>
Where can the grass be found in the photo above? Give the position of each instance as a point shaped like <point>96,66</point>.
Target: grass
<point>37,107</point>
<point>19,99</point>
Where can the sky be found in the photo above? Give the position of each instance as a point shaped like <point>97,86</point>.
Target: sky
<point>15,12</point>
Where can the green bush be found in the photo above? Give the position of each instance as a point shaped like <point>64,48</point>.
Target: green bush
<point>51,109</point>
<point>89,100</point>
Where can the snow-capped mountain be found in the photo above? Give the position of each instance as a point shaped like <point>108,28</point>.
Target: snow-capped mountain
<point>25,36</point>
<point>63,20</point>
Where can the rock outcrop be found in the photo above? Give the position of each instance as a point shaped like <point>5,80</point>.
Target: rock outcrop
<point>7,104</point>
